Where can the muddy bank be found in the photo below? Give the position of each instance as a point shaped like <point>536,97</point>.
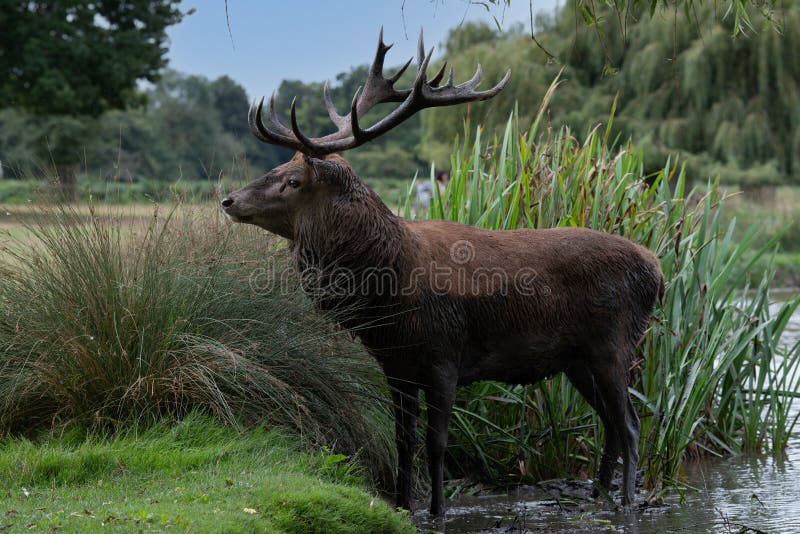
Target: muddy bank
<point>740,494</point>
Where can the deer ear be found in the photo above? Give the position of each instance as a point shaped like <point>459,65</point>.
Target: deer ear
<point>330,171</point>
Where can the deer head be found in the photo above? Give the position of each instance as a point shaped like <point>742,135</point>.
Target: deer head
<point>316,177</point>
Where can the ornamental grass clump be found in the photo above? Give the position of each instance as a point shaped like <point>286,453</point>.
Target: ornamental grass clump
<point>107,320</point>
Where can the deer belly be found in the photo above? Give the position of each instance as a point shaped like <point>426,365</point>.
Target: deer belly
<point>513,362</point>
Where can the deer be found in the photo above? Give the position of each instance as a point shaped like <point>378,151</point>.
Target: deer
<point>441,304</point>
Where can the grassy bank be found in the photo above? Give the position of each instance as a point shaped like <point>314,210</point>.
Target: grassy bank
<point>22,192</point>
<point>192,476</point>
<point>776,211</point>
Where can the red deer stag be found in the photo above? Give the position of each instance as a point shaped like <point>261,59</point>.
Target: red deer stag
<point>440,304</point>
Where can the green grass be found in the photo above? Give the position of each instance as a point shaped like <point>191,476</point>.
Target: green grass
<point>192,476</point>
<point>711,376</point>
<point>15,192</point>
<point>777,212</point>
<point>22,192</point>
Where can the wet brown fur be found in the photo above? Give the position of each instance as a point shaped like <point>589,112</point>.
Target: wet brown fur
<point>587,301</point>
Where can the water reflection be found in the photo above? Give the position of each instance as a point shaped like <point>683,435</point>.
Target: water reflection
<point>734,494</point>
<point>742,494</point>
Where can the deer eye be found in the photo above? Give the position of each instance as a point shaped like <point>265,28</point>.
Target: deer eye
<point>293,183</point>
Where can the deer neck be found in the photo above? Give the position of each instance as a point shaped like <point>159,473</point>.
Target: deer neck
<point>354,234</point>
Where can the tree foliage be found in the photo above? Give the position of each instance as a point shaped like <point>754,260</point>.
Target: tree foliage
<point>745,14</point>
<point>73,57</point>
<point>68,61</point>
<point>727,106</point>
<point>191,128</point>
<point>685,87</point>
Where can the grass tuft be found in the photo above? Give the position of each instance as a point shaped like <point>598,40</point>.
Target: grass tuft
<point>109,322</point>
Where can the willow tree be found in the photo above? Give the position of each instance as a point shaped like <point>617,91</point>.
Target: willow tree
<point>745,14</point>
<point>731,105</point>
<point>728,106</point>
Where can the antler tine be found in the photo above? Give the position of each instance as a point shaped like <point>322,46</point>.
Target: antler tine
<point>311,147</point>
<point>358,133</point>
<point>265,134</point>
<point>489,93</point>
<point>378,89</point>
<point>450,81</point>
<point>464,92</point>
<point>273,117</point>
<point>475,81</point>
<point>338,120</point>
<point>439,75</point>
<point>400,71</point>
<point>420,49</point>
<point>380,54</point>
<point>419,82</point>
<point>251,121</point>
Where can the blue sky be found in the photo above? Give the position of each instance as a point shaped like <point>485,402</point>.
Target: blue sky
<point>313,40</point>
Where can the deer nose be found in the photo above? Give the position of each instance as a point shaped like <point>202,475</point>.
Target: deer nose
<point>227,202</point>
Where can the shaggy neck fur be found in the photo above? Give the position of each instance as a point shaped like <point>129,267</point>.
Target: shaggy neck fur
<point>347,241</point>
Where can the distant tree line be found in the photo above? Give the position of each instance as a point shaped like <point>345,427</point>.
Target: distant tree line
<point>190,127</point>
<point>685,88</point>
<point>187,127</point>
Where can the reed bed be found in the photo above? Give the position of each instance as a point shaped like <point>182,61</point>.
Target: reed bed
<point>711,377</point>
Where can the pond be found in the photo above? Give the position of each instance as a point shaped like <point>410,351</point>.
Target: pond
<point>754,493</point>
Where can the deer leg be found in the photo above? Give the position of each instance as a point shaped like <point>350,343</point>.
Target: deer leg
<point>613,386</point>
<point>406,410</point>
<point>631,462</point>
<point>439,398</point>
<point>582,379</point>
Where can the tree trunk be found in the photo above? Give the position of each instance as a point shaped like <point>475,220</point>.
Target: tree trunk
<point>66,182</point>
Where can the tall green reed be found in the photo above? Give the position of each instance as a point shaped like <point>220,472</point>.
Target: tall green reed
<point>711,376</point>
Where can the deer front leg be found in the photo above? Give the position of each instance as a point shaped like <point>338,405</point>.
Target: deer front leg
<point>439,398</point>
<point>406,411</point>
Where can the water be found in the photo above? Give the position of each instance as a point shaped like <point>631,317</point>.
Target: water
<point>755,493</point>
<point>759,493</point>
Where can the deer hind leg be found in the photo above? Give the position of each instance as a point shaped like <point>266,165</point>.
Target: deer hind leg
<point>439,398</point>
<point>406,410</point>
<point>584,382</point>
<point>612,384</point>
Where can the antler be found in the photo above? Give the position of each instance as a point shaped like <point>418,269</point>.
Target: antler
<point>377,90</point>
